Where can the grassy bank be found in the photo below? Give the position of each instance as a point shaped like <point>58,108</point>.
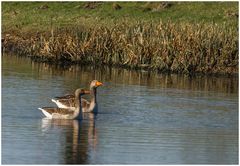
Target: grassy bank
<point>185,37</point>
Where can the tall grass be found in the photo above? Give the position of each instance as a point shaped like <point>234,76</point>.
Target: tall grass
<point>168,46</point>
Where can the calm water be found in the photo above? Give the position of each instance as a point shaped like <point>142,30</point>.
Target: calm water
<point>143,118</point>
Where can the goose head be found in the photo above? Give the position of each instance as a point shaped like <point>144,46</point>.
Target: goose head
<point>95,83</point>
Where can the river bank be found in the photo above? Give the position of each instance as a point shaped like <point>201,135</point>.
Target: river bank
<point>165,46</point>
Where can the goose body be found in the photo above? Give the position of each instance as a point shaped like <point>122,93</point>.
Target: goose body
<point>63,113</point>
<point>57,113</point>
<point>68,101</point>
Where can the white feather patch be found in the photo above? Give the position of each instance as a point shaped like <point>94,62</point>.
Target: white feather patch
<point>46,113</point>
<point>60,105</point>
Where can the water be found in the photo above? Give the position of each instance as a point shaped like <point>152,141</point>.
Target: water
<point>143,118</point>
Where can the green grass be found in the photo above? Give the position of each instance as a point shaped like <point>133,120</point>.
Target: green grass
<point>26,16</point>
<point>184,37</point>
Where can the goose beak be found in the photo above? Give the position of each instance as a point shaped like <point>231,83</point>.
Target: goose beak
<point>99,84</point>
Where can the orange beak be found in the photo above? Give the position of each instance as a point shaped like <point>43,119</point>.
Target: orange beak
<point>99,83</point>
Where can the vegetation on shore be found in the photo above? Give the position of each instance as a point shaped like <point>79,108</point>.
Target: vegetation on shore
<point>156,36</point>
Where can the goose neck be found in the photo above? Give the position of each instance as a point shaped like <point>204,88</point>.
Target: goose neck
<point>78,110</point>
<point>93,92</point>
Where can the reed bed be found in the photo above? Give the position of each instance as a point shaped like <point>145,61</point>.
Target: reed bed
<point>162,46</point>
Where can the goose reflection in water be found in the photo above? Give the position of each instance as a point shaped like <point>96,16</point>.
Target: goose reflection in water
<point>80,136</point>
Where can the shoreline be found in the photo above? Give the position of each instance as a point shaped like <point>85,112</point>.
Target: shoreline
<point>214,52</point>
<point>139,69</point>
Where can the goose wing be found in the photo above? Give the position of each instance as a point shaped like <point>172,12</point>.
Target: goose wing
<point>71,104</point>
<point>57,112</point>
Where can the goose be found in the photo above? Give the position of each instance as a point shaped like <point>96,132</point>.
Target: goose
<point>68,101</point>
<point>63,113</point>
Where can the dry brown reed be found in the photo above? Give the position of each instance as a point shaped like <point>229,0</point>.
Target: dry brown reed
<point>175,47</point>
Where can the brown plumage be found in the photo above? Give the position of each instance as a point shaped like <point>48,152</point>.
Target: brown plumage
<point>68,101</point>
<point>63,113</point>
